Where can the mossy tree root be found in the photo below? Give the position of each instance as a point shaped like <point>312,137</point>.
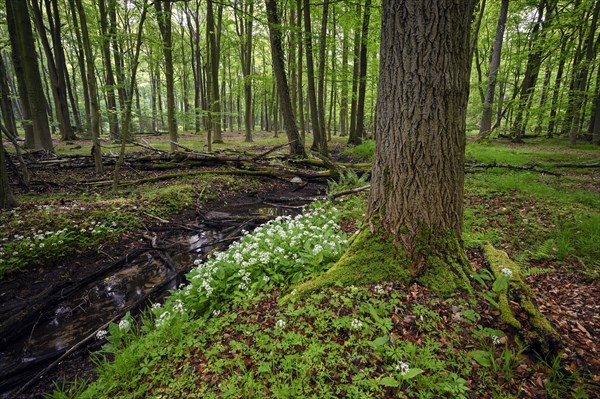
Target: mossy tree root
<point>541,337</point>
<point>374,258</point>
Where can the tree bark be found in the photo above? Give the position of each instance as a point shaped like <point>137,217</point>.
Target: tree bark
<point>486,118</point>
<point>296,146</point>
<point>7,200</point>
<point>28,75</point>
<point>111,101</point>
<point>81,64</point>
<point>321,78</point>
<point>362,77</point>
<point>93,90</point>
<point>244,26</point>
<point>163,8</point>
<point>213,73</point>
<point>310,76</point>
<point>417,183</point>
<point>355,72</point>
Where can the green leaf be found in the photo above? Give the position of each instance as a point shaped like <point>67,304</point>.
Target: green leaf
<point>500,284</point>
<point>412,373</point>
<point>389,382</point>
<point>482,357</point>
<point>379,342</point>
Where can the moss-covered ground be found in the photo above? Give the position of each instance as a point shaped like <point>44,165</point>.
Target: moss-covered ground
<point>376,339</point>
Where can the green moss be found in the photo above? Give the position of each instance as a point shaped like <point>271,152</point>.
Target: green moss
<point>446,267</point>
<point>370,259</point>
<point>542,335</point>
<point>373,258</point>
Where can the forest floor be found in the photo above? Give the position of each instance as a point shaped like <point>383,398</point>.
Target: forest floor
<point>330,345</point>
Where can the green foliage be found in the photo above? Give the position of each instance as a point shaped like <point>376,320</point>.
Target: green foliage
<point>364,151</point>
<point>347,180</point>
<point>44,246</point>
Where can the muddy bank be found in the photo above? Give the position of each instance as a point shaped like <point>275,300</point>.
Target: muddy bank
<point>46,311</point>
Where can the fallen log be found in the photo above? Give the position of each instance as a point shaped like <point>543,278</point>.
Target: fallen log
<point>532,168</point>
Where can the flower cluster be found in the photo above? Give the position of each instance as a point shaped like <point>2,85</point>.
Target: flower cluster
<point>506,272</point>
<point>281,252</point>
<point>39,245</point>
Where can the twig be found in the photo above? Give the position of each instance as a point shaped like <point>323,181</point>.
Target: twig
<point>181,146</point>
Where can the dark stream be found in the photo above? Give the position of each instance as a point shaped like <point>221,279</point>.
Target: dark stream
<point>147,277</point>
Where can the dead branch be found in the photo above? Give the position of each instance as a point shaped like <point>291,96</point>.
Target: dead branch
<point>531,168</point>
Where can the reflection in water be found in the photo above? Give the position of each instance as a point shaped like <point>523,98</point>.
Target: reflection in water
<point>81,313</point>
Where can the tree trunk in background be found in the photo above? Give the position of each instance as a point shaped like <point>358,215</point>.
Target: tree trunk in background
<point>56,63</point>
<point>344,88</point>
<point>310,75</point>
<point>81,64</point>
<point>299,89</point>
<point>581,81</point>
<point>6,197</point>
<point>362,76</point>
<point>244,24</point>
<point>486,118</point>
<point>321,78</point>
<point>532,70</point>
<point>296,146</point>
<point>111,101</point>
<point>213,73</point>
<point>28,75</point>
<point>556,87</point>
<point>91,79</point>
<point>118,55</point>
<point>6,108</point>
<point>163,9</point>
<point>417,185</point>
<point>355,72</point>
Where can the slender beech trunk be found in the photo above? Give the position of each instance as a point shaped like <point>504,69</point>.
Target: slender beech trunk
<point>321,79</point>
<point>355,73</point>
<point>93,90</point>
<point>296,146</point>
<point>362,82</point>
<point>310,75</point>
<point>344,85</point>
<point>163,8</point>
<point>81,64</point>
<point>581,82</point>
<point>534,61</point>
<point>244,25</point>
<point>300,91</point>
<point>7,200</point>
<point>28,75</point>
<point>111,101</point>
<point>126,121</point>
<point>486,118</point>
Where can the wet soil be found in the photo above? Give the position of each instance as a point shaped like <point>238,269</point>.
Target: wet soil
<point>158,257</point>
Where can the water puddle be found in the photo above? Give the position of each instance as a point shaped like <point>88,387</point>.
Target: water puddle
<point>78,315</point>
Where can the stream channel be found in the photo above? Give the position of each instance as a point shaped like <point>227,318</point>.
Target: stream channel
<point>40,332</point>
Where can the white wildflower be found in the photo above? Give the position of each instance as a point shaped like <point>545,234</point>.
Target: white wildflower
<point>402,367</point>
<point>356,324</point>
<point>101,334</point>
<point>124,325</point>
<point>280,323</point>
<point>507,272</point>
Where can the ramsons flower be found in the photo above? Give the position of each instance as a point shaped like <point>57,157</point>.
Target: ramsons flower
<point>402,367</point>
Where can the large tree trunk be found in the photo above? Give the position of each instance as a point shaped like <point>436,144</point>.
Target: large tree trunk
<point>28,75</point>
<point>486,117</point>
<point>6,108</point>
<point>417,184</point>
<point>296,145</point>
